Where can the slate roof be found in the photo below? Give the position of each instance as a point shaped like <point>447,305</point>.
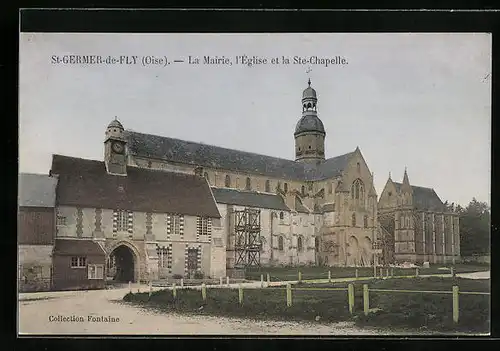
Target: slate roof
<point>36,190</point>
<point>309,123</point>
<point>299,206</point>
<point>196,154</point>
<point>249,198</point>
<point>86,183</point>
<point>77,247</point>
<point>424,198</point>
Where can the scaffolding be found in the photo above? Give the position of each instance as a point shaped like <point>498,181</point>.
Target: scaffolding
<point>386,237</point>
<point>247,244</point>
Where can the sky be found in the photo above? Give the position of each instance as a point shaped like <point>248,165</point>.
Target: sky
<point>420,101</point>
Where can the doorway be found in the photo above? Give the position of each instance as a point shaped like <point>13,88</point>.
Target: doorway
<point>121,265</point>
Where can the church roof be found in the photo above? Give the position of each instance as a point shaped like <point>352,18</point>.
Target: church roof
<point>86,183</point>
<point>70,247</point>
<point>309,123</point>
<point>36,190</point>
<point>249,198</point>
<point>424,198</point>
<point>196,154</point>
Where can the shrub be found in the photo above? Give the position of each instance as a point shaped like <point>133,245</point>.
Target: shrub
<point>177,276</point>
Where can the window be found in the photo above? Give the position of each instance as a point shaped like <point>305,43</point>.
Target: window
<point>227,182</point>
<point>280,243</point>
<point>330,188</point>
<point>268,186</point>
<point>61,220</point>
<point>285,187</point>
<point>174,224</point>
<point>78,262</point>
<point>248,185</point>
<point>192,259</point>
<point>299,244</point>
<point>162,256</point>
<point>310,186</point>
<point>366,221</point>
<point>353,219</point>
<point>204,226</point>
<point>96,271</point>
<point>303,190</point>
<point>357,190</point>
<point>282,215</point>
<point>316,243</point>
<point>358,167</point>
<point>121,220</point>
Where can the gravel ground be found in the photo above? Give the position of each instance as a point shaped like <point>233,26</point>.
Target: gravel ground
<point>40,313</point>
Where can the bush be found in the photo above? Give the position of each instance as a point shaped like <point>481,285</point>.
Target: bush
<point>177,276</point>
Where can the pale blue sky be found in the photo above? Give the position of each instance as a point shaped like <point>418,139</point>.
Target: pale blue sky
<point>407,100</point>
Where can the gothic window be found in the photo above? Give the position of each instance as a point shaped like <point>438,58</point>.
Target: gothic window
<point>285,187</point>
<point>268,186</point>
<point>227,182</point>
<point>357,189</point>
<point>282,215</point>
<point>280,243</point>
<point>248,185</point>
<point>309,105</point>
<point>330,188</point>
<point>303,190</point>
<point>353,219</point>
<point>299,244</point>
<point>365,221</point>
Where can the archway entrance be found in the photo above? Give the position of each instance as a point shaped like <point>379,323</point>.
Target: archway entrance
<point>121,265</point>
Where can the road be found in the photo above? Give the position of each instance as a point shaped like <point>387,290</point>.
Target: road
<point>42,313</point>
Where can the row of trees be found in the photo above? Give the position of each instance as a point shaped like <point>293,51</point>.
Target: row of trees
<point>474,227</point>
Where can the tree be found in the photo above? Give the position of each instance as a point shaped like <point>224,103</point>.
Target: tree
<point>474,228</point>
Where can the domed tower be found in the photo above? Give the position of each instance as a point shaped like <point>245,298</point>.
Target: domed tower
<point>115,156</point>
<point>309,132</point>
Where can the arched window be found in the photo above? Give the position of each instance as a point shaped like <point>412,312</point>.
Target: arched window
<point>299,244</point>
<point>408,222</point>
<point>357,189</point>
<point>353,219</point>
<point>303,189</point>
<point>316,244</point>
<point>330,188</point>
<point>268,186</point>
<point>285,187</point>
<point>227,183</point>
<point>282,215</point>
<point>248,185</point>
<point>358,167</point>
<point>365,221</point>
<point>280,243</point>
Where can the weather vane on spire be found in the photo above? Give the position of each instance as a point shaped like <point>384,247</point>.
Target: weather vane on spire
<point>309,69</point>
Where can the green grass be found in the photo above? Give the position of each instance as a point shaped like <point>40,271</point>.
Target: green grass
<point>397,310</point>
<point>315,272</point>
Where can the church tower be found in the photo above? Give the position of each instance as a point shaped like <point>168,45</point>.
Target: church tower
<point>115,156</point>
<point>309,132</point>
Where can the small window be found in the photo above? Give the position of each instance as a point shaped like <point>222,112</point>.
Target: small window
<point>227,182</point>
<point>390,193</point>
<point>282,215</point>
<point>353,219</point>
<point>96,271</point>
<point>303,190</point>
<point>310,186</point>
<point>285,187</point>
<point>280,243</point>
<point>78,262</point>
<point>358,167</point>
<point>309,147</point>
<point>365,221</point>
<point>330,188</point>
<point>61,220</point>
<point>268,186</point>
<point>248,185</point>
<point>299,244</point>
<point>316,243</point>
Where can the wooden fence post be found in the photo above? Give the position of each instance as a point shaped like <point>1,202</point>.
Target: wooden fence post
<point>150,288</point>
<point>130,286</point>
<point>203,291</point>
<point>387,272</point>
<point>300,276</point>
<point>174,290</point>
<point>182,282</point>
<point>350,294</point>
<point>416,272</point>
<point>268,279</point>
<point>366,299</point>
<point>455,304</point>
<point>374,271</point>
<point>381,273</point>
<point>452,271</point>
<point>357,274</point>
<point>240,294</point>
<point>262,280</point>
<point>329,276</point>
<point>227,281</point>
<point>392,271</point>
<point>288,295</point>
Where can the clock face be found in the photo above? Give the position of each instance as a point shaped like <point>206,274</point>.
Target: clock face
<point>117,147</point>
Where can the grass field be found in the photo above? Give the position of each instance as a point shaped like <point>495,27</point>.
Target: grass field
<point>397,310</point>
<point>291,273</point>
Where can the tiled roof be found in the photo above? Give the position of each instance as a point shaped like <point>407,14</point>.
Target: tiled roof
<point>86,183</point>
<point>77,247</point>
<point>249,198</point>
<point>424,198</point>
<point>196,154</point>
<point>36,190</point>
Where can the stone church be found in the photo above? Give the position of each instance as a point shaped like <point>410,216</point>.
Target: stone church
<point>159,206</point>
